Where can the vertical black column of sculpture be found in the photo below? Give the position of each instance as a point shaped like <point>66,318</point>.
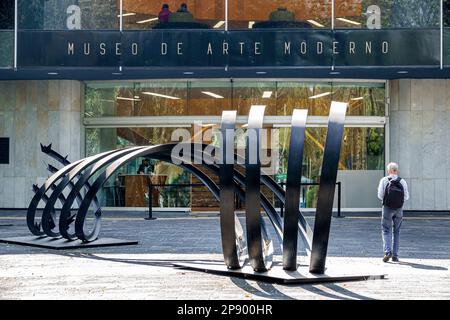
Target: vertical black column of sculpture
<point>327,187</point>
<point>226,174</point>
<point>294,178</point>
<point>256,246</point>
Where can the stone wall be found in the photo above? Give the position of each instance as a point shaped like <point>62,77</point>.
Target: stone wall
<point>420,140</point>
<point>34,112</point>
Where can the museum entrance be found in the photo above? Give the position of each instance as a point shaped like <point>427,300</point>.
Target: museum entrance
<point>123,114</point>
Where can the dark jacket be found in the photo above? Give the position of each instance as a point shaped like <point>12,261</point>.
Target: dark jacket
<point>164,15</point>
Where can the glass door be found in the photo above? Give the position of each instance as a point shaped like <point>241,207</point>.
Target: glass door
<point>129,187</point>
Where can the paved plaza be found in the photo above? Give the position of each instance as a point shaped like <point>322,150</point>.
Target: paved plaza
<point>146,271</point>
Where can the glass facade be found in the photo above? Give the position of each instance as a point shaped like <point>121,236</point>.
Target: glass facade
<point>382,14</point>
<point>129,188</point>
<point>112,15</point>
<point>210,98</point>
<point>249,14</point>
<point>241,14</point>
<point>6,48</point>
<point>143,14</point>
<point>362,150</point>
<point>68,14</point>
<point>6,33</point>
<point>123,107</point>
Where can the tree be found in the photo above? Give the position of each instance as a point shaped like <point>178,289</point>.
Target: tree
<point>6,14</point>
<point>415,13</point>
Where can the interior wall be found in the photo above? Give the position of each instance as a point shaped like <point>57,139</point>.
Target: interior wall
<point>420,140</point>
<point>359,188</point>
<point>34,112</point>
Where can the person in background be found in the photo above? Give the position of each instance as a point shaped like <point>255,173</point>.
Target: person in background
<point>183,8</point>
<point>393,192</point>
<point>164,14</point>
<point>144,167</point>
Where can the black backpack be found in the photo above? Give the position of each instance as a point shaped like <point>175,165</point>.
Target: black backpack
<point>394,195</point>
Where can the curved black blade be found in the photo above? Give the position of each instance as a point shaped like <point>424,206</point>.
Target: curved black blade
<point>327,187</point>
<point>293,186</point>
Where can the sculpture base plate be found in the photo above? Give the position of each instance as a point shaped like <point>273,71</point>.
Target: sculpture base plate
<point>63,244</point>
<point>277,275</point>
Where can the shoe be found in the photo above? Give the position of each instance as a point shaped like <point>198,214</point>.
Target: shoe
<point>395,259</point>
<point>387,256</point>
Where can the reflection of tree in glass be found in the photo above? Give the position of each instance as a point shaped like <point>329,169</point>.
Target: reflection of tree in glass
<point>6,14</point>
<point>407,13</point>
<point>92,141</point>
<point>415,13</point>
<point>176,196</point>
<point>52,14</point>
<point>374,147</point>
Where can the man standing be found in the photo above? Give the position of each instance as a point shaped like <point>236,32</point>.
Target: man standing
<point>393,192</point>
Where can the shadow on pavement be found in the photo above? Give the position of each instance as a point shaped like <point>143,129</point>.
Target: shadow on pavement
<point>265,290</point>
<point>269,291</point>
<point>420,266</point>
<point>143,262</point>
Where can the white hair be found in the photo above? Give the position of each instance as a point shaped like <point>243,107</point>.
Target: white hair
<point>392,166</point>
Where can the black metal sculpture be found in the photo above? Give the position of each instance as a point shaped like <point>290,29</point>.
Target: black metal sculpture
<point>233,255</point>
<point>327,187</point>
<point>76,176</point>
<point>293,183</point>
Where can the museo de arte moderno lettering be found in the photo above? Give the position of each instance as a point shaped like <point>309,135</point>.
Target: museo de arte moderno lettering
<point>203,48</point>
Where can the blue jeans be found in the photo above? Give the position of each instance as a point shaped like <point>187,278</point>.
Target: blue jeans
<point>390,224</point>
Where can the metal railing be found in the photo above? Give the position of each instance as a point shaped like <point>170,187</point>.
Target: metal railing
<point>237,201</point>
<point>175,185</point>
<point>339,193</point>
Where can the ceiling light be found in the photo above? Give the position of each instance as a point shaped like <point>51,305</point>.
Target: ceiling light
<point>267,94</point>
<point>320,95</point>
<point>148,20</point>
<point>160,95</point>
<point>219,24</point>
<point>127,14</point>
<point>349,21</point>
<point>212,94</point>
<point>250,24</point>
<point>128,99</point>
<point>315,23</point>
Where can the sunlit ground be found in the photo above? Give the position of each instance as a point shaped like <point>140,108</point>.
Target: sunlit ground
<point>146,271</point>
